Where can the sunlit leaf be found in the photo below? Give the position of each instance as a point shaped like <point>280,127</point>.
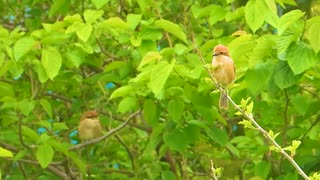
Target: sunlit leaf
<point>133,20</point>
<point>122,92</point>
<point>172,28</point>
<point>46,106</point>
<point>149,57</point>
<point>255,14</point>
<point>44,155</point>
<point>51,61</point>
<point>91,16</point>
<point>301,57</point>
<point>99,3</point>
<point>84,31</point>
<point>159,76</point>
<point>22,47</point>
<point>289,18</point>
<point>5,153</point>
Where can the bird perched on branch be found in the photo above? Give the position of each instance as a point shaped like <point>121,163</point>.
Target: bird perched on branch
<point>89,126</point>
<point>223,71</point>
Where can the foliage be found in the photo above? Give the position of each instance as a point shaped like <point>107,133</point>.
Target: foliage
<point>60,58</point>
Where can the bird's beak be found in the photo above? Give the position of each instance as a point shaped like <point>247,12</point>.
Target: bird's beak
<point>214,54</point>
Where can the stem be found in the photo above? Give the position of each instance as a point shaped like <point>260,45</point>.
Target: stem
<point>250,117</point>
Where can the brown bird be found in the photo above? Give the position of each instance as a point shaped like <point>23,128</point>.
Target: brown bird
<point>223,72</point>
<point>89,126</point>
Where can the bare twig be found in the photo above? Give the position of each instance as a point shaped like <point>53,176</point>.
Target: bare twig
<point>127,149</point>
<point>20,131</point>
<point>250,117</point>
<point>93,141</point>
<point>141,127</point>
<point>57,96</point>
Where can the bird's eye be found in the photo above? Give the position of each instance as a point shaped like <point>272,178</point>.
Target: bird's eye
<point>221,52</point>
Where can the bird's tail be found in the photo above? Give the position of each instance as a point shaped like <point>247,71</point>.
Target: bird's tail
<point>223,103</point>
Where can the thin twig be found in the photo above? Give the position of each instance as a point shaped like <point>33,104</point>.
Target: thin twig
<point>20,131</point>
<point>143,128</point>
<point>127,149</point>
<point>250,117</point>
<point>93,141</point>
<point>58,96</point>
<point>285,117</point>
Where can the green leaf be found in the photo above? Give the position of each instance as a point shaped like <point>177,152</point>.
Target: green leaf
<point>159,76</point>
<point>22,47</point>
<point>262,50</point>
<point>258,77</point>
<point>218,135</point>
<point>151,112</point>
<point>46,106</point>
<point>301,57</point>
<point>42,74</point>
<point>44,155</point>
<point>175,109</point>
<point>283,76</point>
<point>168,175</point>
<point>176,140</point>
<point>99,3</point>
<point>288,19</point>
<point>218,13</point>
<point>58,7</point>
<point>59,126</point>
<point>135,41</point>
<point>133,20</point>
<point>149,57</point>
<point>180,49</point>
<point>255,14</point>
<point>172,28</point>
<point>214,12</point>
<point>114,65</point>
<point>301,103</point>
<point>150,34</point>
<point>127,104</point>
<point>198,123</point>
<point>115,22</point>
<point>51,61</point>
<point>246,124</point>
<point>290,35</point>
<point>26,106</point>
<point>5,153</point>
<point>75,57</point>
<point>91,16</point>
<point>6,89</point>
<point>314,36</point>
<point>154,140</point>
<point>84,31</point>
<point>262,169</point>
<point>121,92</point>
<point>30,134</point>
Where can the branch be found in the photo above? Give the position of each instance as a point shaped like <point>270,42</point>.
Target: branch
<point>250,117</point>
<point>128,151</point>
<point>57,96</point>
<point>143,128</point>
<point>93,141</point>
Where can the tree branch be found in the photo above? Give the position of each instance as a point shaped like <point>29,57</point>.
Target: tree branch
<point>250,117</point>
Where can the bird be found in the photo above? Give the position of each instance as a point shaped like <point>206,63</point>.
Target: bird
<point>223,71</point>
<point>89,126</point>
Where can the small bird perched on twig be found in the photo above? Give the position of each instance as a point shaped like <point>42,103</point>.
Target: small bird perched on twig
<point>223,72</point>
<point>89,126</point>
